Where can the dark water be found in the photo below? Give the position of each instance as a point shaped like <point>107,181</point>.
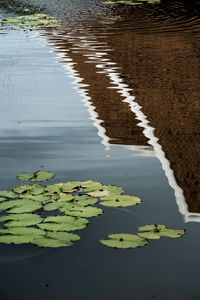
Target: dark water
<point>113,95</point>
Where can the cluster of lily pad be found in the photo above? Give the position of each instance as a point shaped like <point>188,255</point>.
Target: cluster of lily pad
<point>28,209</point>
<point>30,22</point>
<point>129,2</point>
<point>147,232</point>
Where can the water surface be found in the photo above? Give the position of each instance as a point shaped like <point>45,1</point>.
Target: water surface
<point>115,100</point>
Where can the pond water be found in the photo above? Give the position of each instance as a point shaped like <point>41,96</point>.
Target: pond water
<point>111,96</point>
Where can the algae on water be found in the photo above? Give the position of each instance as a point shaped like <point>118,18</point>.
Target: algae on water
<point>30,22</point>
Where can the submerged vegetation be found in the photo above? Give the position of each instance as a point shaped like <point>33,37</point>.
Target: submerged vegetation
<point>47,215</point>
<point>30,22</point>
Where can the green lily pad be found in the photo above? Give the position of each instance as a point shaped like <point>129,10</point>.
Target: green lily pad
<point>120,200</point>
<point>85,200</point>
<point>8,194</point>
<point>63,223</point>
<point>2,199</point>
<point>15,239</point>
<point>65,197</point>
<point>107,190</point>
<point>53,188</point>
<point>70,186</point>
<point>22,188</point>
<point>62,206</point>
<point>91,185</point>
<point>124,240</point>
<point>25,176</point>
<point>23,231</point>
<point>38,198</point>
<point>46,241</point>
<point>20,206</point>
<point>157,231</point>
<point>42,176</point>
<point>85,212</point>
<point>21,220</point>
<point>25,206</point>
<point>64,236</point>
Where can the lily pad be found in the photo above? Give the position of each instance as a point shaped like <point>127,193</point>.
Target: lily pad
<point>2,199</point>
<point>15,239</point>
<point>63,223</point>
<point>25,206</point>
<point>91,185</point>
<point>85,212</point>
<point>25,176</point>
<point>8,194</point>
<point>157,231</point>
<point>107,190</point>
<point>65,197</point>
<point>38,198</point>
<point>21,220</point>
<point>62,206</point>
<point>85,200</point>
<point>22,188</point>
<point>53,188</point>
<point>46,241</point>
<point>20,206</point>
<point>23,231</point>
<point>64,236</point>
<point>70,186</point>
<point>120,200</point>
<point>42,176</point>
<point>124,240</point>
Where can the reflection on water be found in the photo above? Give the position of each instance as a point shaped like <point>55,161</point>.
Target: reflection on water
<point>142,91</point>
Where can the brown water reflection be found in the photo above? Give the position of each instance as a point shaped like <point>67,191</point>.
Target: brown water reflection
<point>142,90</point>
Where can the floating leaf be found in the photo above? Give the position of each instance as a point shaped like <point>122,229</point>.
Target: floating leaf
<point>53,188</point>
<point>120,200</point>
<point>45,241</point>
<point>15,220</point>
<point>63,223</point>
<point>71,186</point>
<point>85,200</point>
<point>22,188</point>
<point>84,212</point>
<point>20,206</point>
<point>91,185</point>
<point>38,198</point>
<point>25,176</point>
<point>42,176</point>
<point>23,231</point>
<point>37,190</point>
<point>124,240</point>
<point>2,199</point>
<point>107,190</point>
<point>8,194</point>
<point>65,197</point>
<point>62,206</point>
<point>157,231</point>
<point>25,206</point>
<point>15,239</point>
<point>64,236</point>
